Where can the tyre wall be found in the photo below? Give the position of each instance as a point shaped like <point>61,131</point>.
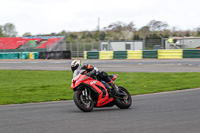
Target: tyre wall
<point>145,54</point>
<point>55,55</point>
<point>19,55</point>
<point>36,55</point>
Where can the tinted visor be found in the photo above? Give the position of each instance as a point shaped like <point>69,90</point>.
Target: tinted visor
<point>74,68</point>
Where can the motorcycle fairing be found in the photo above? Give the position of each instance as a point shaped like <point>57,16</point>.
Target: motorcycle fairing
<point>102,99</point>
<point>113,77</point>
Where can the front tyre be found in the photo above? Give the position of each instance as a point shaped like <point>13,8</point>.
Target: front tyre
<point>83,103</point>
<point>123,103</point>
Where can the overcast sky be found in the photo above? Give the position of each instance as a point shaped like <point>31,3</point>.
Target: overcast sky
<point>47,16</point>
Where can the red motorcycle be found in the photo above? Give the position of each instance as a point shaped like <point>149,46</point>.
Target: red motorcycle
<point>93,92</point>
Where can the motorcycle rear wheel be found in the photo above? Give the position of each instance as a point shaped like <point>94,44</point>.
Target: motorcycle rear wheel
<point>123,103</point>
<point>82,103</point>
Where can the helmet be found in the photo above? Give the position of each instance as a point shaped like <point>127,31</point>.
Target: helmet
<point>75,64</point>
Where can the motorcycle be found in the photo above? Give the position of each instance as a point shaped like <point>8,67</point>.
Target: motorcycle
<point>93,92</point>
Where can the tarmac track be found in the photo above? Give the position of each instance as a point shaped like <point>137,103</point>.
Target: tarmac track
<point>176,65</point>
<point>171,112</point>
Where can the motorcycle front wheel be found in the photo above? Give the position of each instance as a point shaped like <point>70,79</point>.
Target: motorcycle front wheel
<point>84,103</point>
<point>123,103</point>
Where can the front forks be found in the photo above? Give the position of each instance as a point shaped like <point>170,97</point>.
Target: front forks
<point>85,94</point>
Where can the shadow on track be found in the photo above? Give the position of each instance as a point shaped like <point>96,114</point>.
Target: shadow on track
<point>106,109</point>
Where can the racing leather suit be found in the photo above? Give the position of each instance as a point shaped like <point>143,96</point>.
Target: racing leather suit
<point>91,71</point>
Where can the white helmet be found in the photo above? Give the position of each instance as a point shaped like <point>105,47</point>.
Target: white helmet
<point>75,64</point>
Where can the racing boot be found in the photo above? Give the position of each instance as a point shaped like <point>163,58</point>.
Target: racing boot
<point>116,90</point>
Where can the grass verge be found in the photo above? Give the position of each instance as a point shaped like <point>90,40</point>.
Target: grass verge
<point>39,86</point>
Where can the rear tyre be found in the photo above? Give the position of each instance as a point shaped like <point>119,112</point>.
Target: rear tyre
<point>123,103</point>
<point>86,105</point>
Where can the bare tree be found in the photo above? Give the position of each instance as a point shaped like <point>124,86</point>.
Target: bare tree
<point>155,25</point>
<point>121,30</point>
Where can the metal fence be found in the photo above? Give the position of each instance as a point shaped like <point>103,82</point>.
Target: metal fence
<point>60,45</point>
<point>151,44</point>
<point>77,48</point>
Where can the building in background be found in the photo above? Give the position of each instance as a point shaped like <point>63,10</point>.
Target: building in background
<point>183,43</point>
<point>121,45</point>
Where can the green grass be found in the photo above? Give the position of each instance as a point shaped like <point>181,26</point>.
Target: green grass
<point>39,86</point>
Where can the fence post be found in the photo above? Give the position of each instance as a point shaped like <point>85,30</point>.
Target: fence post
<point>143,43</point>
<point>125,43</point>
<point>183,43</point>
<point>83,45</point>
<point>65,45</point>
<point>70,43</point>
<point>92,47</point>
<point>162,41</point>
<point>77,48</point>
<point>99,45</point>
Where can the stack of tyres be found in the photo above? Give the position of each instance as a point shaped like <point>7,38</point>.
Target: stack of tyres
<point>14,55</point>
<point>36,55</point>
<point>152,54</point>
<point>5,56</point>
<point>106,54</point>
<point>43,55</point>
<point>24,55</point>
<point>191,53</point>
<point>85,54</point>
<point>19,55</point>
<point>0,55</point>
<point>53,55</point>
<point>92,55</point>
<point>170,54</point>
<point>33,55</point>
<point>137,54</point>
<point>120,55</point>
<point>9,55</point>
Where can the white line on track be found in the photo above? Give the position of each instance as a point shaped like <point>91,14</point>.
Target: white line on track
<point>167,92</point>
<point>57,62</point>
<point>10,62</point>
<point>33,62</point>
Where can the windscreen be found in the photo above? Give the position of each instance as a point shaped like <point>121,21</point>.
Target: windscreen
<point>77,72</point>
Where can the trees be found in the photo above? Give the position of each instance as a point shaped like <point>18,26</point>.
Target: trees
<point>27,34</point>
<point>120,30</point>
<point>155,25</point>
<point>9,30</point>
<point>102,35</point>
<point>198,31</point>
<point>144,32</point>
<point>1,31</point>
<point>63,33</point>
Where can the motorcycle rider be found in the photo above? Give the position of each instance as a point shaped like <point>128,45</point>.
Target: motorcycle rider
<point>91,71</point>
